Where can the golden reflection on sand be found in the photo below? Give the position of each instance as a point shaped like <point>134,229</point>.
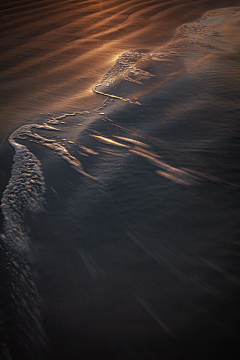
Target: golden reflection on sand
<point>53,54</point>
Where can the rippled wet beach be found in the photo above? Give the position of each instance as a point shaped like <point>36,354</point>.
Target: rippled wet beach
<point>119,179</point>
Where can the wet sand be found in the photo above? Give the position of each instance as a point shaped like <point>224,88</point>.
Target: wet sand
<point>53,53</point>
<point>133,265</point>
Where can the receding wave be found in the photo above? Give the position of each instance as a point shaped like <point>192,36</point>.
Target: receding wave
<point>134,75</point>
<point>53,52</point>
<point>23,196</point>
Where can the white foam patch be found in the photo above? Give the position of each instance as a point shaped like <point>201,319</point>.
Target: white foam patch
<point>193,42</point>
<point>125,68</point>
<point>124,64</point>
<point>25,190</point>
<point>24,193</point>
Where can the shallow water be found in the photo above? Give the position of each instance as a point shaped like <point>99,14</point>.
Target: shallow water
<point>121,235</point>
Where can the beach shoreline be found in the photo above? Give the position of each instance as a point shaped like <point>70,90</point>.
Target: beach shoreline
<point>133,245</point>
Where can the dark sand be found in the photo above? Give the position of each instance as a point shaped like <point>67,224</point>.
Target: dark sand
<point>52,53</point>
<point>133,267</point>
